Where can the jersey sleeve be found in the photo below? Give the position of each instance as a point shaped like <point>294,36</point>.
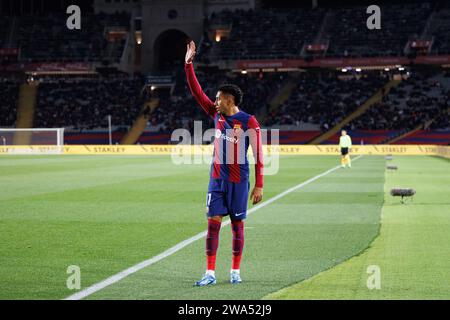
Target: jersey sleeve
<point>256,144</point>
<point>206,103</point>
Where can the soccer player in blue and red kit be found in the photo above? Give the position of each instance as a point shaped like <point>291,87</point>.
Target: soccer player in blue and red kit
<point>229,184</point>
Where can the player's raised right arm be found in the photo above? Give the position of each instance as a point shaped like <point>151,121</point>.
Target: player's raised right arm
<point>195,87</point>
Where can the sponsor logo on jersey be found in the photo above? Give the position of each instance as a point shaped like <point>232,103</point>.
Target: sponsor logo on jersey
<point>220,135</point>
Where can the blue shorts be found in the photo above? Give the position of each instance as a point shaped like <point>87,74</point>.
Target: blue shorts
<point>227,198</point>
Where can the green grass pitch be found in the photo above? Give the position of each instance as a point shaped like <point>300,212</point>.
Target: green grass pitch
<point>107,213</point>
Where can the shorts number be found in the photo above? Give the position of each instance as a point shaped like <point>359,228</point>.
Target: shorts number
<point>208,199</point>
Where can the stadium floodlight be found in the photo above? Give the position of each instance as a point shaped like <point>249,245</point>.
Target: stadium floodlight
<point>344,70</point>
<point>402,192</point>
<point>358,69</point>
<point>33,140</point>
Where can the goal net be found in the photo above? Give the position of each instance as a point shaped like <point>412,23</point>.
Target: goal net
<point>32,141</point>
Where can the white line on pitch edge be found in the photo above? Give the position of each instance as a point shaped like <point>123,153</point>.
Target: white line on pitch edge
<point>119,276</point>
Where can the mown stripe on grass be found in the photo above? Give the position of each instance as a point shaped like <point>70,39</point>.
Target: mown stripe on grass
<point>412,250</point>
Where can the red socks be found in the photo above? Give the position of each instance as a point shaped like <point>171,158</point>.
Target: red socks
<point>212,242</point>
<point>237,228</point>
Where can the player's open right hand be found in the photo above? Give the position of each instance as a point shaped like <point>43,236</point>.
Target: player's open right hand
<point>190,52</point>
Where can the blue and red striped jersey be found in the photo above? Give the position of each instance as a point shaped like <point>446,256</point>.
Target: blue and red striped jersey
<point>233,136</point>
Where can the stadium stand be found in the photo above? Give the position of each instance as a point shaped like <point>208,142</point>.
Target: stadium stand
<point>324,99</point>
<point>320,99</point>
<point>262,34</point>
<point>440,30</point>
<point>85,103</point>
<point>346,26</point>
<point>4,26</point>
<point>44,38</point>
<point>416,100</point>
<point>281,33</point>
<point>360,137</point>
<point>8,101</point>
<point>438,137</point>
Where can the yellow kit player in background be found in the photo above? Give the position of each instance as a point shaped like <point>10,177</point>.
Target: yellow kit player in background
<point>345,143</point>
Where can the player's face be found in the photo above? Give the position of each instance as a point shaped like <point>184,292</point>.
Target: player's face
<point>222,102</point>
<point>344,133</point>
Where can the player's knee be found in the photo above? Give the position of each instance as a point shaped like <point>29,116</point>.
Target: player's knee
<point>216,218</point>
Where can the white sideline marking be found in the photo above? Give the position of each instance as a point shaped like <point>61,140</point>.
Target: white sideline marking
<point>119,276</point>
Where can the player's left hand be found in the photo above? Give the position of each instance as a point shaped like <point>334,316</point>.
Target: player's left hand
<point>256,195</point>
